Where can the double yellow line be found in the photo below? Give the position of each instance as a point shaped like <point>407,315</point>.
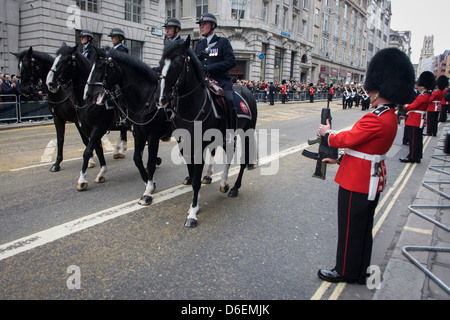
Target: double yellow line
<point>399,184</point>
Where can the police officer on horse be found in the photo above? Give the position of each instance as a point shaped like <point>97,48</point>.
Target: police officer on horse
<point>217,56</point>
<point>117,36</point>
<point>172,26</point>
<point>88,48</point>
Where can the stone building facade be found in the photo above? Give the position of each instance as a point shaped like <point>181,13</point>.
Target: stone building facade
<point>274,40</point>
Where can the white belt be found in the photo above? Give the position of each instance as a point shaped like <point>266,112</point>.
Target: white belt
<point>422,120</point>
<point>374,177</point>
<point>436,105</point>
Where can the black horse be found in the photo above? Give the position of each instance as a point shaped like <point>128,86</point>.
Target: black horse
<point>34,67</point>
<point>184,90</point>
<point>135,97</point>
<point>72,68</point>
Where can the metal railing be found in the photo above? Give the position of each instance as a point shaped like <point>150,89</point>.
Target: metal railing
<point>13,110</point>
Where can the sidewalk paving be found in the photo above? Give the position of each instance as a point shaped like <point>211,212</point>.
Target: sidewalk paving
<point>427,243</point>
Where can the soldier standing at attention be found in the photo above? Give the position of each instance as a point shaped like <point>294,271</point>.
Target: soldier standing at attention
<point>362,171</point>
<point>417,114</point>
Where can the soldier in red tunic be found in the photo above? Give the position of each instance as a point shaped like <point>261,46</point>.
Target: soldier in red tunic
<point>362,171</point>
<point>417,112</point>
<point>433,110</point>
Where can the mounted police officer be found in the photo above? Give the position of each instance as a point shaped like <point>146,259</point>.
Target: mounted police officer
<point>88,48</point>
<point>217,56</point>
<point>117,36</point>
<point>172,26</point>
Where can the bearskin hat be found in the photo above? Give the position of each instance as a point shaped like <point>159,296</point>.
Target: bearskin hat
<point>391,74</point>
<point>427,80</point>
<point>442,82</point>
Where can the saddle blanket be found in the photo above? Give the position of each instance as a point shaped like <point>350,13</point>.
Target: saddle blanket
<point>241,106</point>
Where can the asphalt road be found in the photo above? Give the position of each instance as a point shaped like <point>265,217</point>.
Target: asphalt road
<point>267,244</point>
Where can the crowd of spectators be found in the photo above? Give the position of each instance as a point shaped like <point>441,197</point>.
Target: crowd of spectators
<point>296,89</point>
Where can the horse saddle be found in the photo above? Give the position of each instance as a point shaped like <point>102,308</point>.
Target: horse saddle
<point>240,104</point>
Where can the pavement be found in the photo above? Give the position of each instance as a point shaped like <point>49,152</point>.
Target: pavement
<point>419,268</point>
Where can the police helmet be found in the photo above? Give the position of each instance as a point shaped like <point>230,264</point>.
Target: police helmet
<point>172,22</point>
<point>208,17</point>
<point>87,33</point>
<point>117,32</point>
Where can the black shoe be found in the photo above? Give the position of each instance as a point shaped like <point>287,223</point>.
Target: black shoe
<point>406,160</point>
<point>334,277</point>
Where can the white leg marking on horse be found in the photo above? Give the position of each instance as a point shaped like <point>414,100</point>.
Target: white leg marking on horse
<point>224,180</point>
<point>149,187</point>
<point>82,178</point>
<point>193,212</point>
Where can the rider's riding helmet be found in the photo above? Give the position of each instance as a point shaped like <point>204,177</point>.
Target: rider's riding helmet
<point>87,33</point>
<point>173,22</point>
<point>208,17</point>
<point>117,32</point>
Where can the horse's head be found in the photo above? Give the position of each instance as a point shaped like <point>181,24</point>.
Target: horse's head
<point>31,72</point>
<point>64,67</point>
<point>174,66</point>
<point>105,75</point>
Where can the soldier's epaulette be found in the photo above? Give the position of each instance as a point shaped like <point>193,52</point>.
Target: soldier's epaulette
<point>380,110</point>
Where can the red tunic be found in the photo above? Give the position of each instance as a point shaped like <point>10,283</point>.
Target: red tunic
<point>373,134</point>
<point>417,111</point>
<point>436,96</point>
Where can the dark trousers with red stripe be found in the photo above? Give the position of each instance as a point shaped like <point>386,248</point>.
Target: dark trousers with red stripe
<point>355,223</point>
<point>415,140</point>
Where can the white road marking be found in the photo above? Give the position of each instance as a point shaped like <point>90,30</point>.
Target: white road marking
<point>40,238</point>
<point>47,156</point>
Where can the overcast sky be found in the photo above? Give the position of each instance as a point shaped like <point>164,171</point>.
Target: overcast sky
<point>429,17</point>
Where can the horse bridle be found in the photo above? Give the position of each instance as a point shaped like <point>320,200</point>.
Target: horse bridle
<point>174,98</point>
<point>35,87</point>
<point>113,95</point>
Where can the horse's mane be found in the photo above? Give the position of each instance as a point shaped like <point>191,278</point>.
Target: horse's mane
<point>135,64</point>
<point>65,50</point>
<point>39,55</point>
<point>173,48</point>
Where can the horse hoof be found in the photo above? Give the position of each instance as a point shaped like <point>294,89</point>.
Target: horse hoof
<point>190,223</point>
<point>100,179</point>
<point>91,165</point>
<point>118,156</point>
<point>187,181</point>
<point>206,180</point>
<point>145,200</point>
<point>82,186</point>
<point>158,161</point>
<point>225,188</point>
<point>233,193</point>
<point>55,168</point>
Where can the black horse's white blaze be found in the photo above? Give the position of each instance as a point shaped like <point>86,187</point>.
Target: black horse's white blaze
<point>163,82</point>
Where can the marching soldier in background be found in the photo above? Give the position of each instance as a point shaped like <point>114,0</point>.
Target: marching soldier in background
<point>88,48</point>
<point>417,112</point>
<point>362,171</point>
<point>217,56</point>
<point>117,36</point>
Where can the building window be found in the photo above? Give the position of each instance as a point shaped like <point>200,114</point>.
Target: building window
<point>264,11</point>
<point>134,47</point>
<point>88,5</point>
<point>171,9</point>
<point>201,7</point>
<point>316,17</point>
<point>238,9</point>
<point>133,10</point>
<point>277,13</point>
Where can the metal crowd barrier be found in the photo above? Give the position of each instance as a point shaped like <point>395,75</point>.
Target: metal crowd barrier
<point>438,208</point>
<point>14,111</point>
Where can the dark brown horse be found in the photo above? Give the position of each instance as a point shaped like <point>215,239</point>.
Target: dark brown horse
<point>34,67</point>
<point>184,91</point>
